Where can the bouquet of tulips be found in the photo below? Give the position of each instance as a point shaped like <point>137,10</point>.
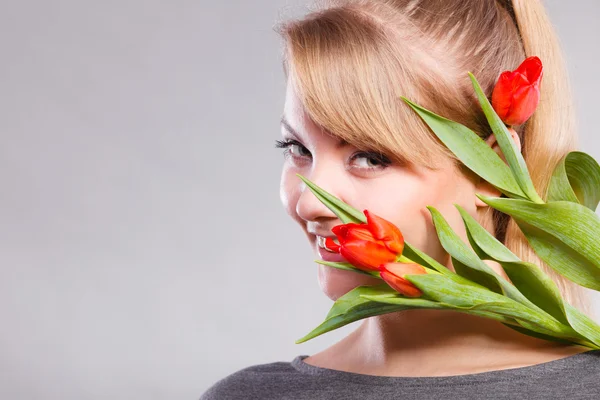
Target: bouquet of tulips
<point>563,231</point>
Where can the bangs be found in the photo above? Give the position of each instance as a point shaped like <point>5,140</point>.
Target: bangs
<point>349,75</point>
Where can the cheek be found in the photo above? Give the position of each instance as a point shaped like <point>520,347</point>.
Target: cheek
<point>406,208</point>
<point>401,200</point>
<point>289,191</point>
<point>443,193</point>
<point>404,202</point>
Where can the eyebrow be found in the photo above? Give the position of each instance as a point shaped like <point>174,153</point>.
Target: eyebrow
<point>285,123</point>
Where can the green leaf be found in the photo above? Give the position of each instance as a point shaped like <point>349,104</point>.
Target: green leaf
<point>528,278</point>
<point>549,337</point>
<point>531,280</point>
<point>352,307</point>
<point>422,258</point>
<point>560,188</point>
<point>583,324</point>
<point>436,287</point>
<point>476,310</point>
<point>576,178</point>
<point>352,298</point>
<point>490,247</point>
<point>562,233</point>
<point>412,302</point>
<point>399,299</point>
<point>513,156</point>
<point>574,337</point>
<point>471,150</point>
<point>467,263</point>
<point>343,211</point>
<point>348,267</point>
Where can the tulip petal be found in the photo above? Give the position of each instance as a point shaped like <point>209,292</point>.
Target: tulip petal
<point>367,255</point>
<point>510,97</point>
<point>532,68</point>
<point>502,94</point>
<point>331,245</point>
<point>399,269</point>
<point>401,285</point>
<point>516,94</point>
<point>393,274</point>
<point>524,102</point>
<point>352,231</point>
<point>361,232</point>
<point>385,231</point>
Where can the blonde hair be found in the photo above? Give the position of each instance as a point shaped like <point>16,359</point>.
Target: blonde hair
<point>351,60</point>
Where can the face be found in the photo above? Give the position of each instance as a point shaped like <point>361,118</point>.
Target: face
<point>398,193</point>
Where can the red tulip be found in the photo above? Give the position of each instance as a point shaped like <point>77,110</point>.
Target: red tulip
<point>393,275</point>
<point>517,93</point>
<point>367,246</point>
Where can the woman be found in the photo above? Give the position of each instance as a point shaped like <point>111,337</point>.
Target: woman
<point>345,128</point>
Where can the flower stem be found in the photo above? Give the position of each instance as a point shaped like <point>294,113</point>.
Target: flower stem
<point>404,259</point>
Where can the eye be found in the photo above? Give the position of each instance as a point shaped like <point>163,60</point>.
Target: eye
<point>292,148</point>
<point>372,161</point>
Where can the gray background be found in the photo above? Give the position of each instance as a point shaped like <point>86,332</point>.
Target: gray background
<point>144,252</point>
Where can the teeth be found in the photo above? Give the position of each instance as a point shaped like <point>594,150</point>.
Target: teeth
<point>321,243</point>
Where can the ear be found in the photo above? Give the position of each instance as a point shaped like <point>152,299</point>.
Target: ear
<point>482,186</point>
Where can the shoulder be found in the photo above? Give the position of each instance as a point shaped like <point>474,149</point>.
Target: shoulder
<point>260,381</point>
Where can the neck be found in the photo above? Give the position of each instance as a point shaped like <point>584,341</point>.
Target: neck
<point>443,342</point>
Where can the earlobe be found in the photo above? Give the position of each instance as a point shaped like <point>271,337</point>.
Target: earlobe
<point>515,137</point>
<point>493,143</point>
<point>487,189</point>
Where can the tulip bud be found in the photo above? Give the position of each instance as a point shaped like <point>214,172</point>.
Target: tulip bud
<point>393,275</point>
<point>366,246</point>
<point>517,93</point>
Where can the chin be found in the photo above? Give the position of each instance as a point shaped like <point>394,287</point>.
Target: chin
<point>336,282</point>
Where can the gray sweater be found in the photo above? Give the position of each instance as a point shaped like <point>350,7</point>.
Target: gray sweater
<point>575,377</point>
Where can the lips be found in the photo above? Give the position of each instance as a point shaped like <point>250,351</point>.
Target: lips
<point>327,255</point>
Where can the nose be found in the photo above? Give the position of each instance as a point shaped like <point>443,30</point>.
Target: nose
<point>309,207</point>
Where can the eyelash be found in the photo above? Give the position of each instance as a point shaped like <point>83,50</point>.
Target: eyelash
<point>381,159</point>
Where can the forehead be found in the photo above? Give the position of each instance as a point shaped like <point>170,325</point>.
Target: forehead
<point>331,122</point>
<point>293,109</point>
<point>296,121</point>
<point>295,118</point>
